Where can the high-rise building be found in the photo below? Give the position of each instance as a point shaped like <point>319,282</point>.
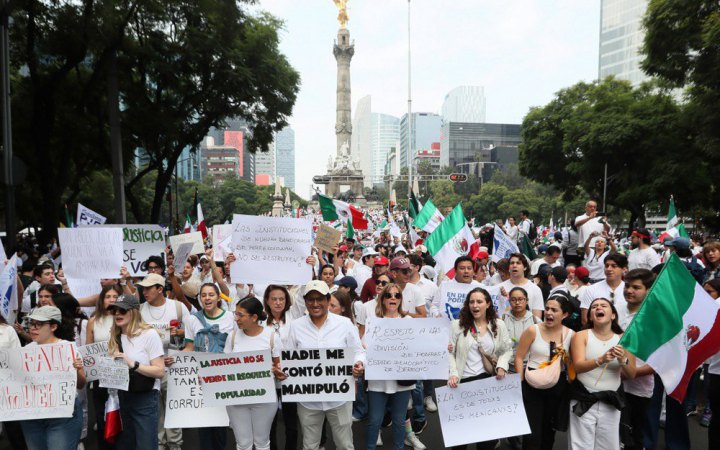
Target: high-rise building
<point>464,104</point>
<point>265,166</point>
<point>285,156</point>
<point>385,135</point>
<point>218,161</point>
<point>188,165</point>
<point>621,38</point>
<point>361,146</point>
<point>430,155</point>
<point>464,143</point>
<point>426,129</point>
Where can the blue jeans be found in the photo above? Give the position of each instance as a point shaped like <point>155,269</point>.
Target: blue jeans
<point>360,406</point>
<point>398,410</point>
<point>418,403</point>
<point>677,435</point>
<point>140,412</point>
<point>56,434</point>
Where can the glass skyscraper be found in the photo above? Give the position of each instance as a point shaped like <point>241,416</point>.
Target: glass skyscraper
<point>285,156</point>
<point>426,129</point>
<point>464,104</point>
<point>621,37</point>
<point>385,131</point>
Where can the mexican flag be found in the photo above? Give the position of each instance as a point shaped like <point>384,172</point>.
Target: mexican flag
<point>672,219</point>
<point>188,225</point>
<point>113,424</point>
<point>450,240</point>
<point>201,222</point>
<point>676,329</point>
<point>350,232</point>
<point>337,210</point>
<point>414,205</point>
<point>428,218</point>
<point>674,227</point>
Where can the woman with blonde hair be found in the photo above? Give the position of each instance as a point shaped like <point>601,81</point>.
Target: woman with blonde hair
<point>140,346</point>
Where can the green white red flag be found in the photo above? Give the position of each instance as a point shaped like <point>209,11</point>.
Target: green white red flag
<point>338,210</point>
<point>450,240</point>
<point>428,218</point>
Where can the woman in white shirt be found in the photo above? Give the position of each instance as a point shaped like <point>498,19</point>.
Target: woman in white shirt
<point>595,255</point>
<point>481,346</point>
<point>251,423</point>
<point>141,347</point>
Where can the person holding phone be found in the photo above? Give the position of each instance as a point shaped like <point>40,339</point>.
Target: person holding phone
<point>591,221</point>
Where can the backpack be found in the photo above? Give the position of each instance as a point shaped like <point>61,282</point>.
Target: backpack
<point>209,338</point>
<point>574,318</point>
<point>532,233</point>
<point>696,270</point>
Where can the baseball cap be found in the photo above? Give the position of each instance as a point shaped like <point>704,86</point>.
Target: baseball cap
<point>152,280</point>
<point>679,242</point>
<point>368,251</point>
<point>400,248</point>
<point>543,249</point>
<point>582,272</point>
<point>482,255</point>
<point>317,285</point>
<point>127,302</point>
<point>399,263</point>
<point>347,282</point>
<point>46,314</point>
<point>343,248</point>
<point>428,272</point>
<point>381,261</point>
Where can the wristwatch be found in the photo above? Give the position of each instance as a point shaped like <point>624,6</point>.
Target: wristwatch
<point>135,366</point>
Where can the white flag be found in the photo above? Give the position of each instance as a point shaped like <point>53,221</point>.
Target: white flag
<point>8,291</point>
<point>503,246</point>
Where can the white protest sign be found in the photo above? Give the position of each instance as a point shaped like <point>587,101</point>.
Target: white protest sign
<point>500,302</point>
<point>3,255</point>
<point>86,216</point>
<point>91,354</point>
<point>452,297</point>
<point>195,237</point>
<point>139,243</point>
<point>84,287</point>
<point>503,246</point>
<point>270,250</point>
<point>113,373</point>
<point>496,404</point>
<point>185,407</point>
<point>8,291</point>
<point>407,349</point>
<point>181,256</point>
<point>38,382</point>
<point>236,378</point>
<point>91,252</point>
<point>221,240</point>
<point>318,375</point>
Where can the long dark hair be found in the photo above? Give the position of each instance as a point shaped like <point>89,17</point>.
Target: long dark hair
<point>253,306</point>
<point>614,325</point>
<point>466,319</point>
<point>266,301</point>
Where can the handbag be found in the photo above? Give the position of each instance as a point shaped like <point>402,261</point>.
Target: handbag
<point>139,383</point>
<point>489,362</point>
<point>547,374</point>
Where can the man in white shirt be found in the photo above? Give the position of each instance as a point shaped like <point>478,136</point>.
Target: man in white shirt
<point>363,272</point>
<point>590,221</point>
<point>413,302</point>
<point>525,223</point>
<point>451,294</point>
<point>321,329</point>
<point>427,287</point>
<point>551,258</point>
<point>611,288</point>
<point>642,255</point>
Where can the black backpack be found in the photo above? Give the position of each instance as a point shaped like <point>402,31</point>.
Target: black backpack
<point>532,234</point>
<point>696,270</point>
<point>574,318</point>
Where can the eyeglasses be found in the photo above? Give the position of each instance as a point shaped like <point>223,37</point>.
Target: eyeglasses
<point>315,299</point>
<point>383,283</point>
<point>240,315</point>
<point>518,299</point>
<point>395,295</point>
<point>35,324</point>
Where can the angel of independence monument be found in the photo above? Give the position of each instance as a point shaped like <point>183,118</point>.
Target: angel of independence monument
<point>343,171</point>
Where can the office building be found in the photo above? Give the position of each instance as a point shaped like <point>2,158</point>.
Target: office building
<point>361,138</point>
<point>426,129</point>
<point>430,155</point>
<point>265,166</point>
<point>465,143</point>
<point>285,156</point>
<point>621,38</point>
<point>188,165</point>
<point>464,104</point>
<point>385,135</point>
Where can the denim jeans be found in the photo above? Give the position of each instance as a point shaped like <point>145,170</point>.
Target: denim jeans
<point>360,406</point>
<point>418,403</point>
<point>428,388</point>
<point>398,410</point>
<point>677,435</point>
<point>140,414</point>
<point>56,434</point>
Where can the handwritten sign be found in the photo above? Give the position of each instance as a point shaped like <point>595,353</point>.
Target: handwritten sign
<point>221,241</point>
<point>38,382</point>
<point>185,407</point>
<point>181,256</point>
<point>497,404</point>
<point>318,375</point>
<point>86,216</point>
<point>236,378</point>
<point>113,373</point>
<point>195,237</point>
<point>91,355</point>
<point>139,243</point>
<point>326,238</point>
<point>91,252</point>
<point>270,250</point>
<point>407,349</point>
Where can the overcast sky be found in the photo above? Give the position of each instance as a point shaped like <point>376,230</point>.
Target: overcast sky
<point>520,51</point>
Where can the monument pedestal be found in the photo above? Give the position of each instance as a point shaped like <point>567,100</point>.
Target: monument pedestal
<point>340,181</point>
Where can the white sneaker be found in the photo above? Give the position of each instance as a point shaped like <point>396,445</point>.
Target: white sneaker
<point>81,446</point>
<point>379,442</point>
<point>413,441</point>
<point>410,405</point>
<point>430,405</point>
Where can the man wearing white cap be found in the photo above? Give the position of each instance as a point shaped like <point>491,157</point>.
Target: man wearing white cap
<point>320,329</point>
<point>363,272</point>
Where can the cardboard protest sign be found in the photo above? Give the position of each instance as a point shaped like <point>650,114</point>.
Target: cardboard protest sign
<point>236,378</point>
<point>91,355</point>
<point>316,375</point>
<point>113,373</point>
<point>181,256</point>
<point>407,349</point>
<point>221,241</point>
<point>195,237</point>
<point>185,407</point>
<point>91,252</point>
<point>326,238</point>
<point>39,382</point>
<point>86,216</point>
<point>270,250</point>
<point>8,290</point>
<point>496,404</point>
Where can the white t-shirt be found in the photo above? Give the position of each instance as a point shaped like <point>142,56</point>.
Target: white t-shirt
<point>603,290</point>
<point>244,343</point>
<point>192,324</point>
<point>412,298</point>
<point>450,297</point>
<point>646,258</point>
<point>586,229</point>
<point>8,337</point>
<point>361,273</point>
<point>535,266</point>
<point>535,296</point>
<point>143,348</point>
<point>474,364</point>
<point>160,317</point>
<point>641,386</point>
<point>429,291</point>
<point>596,264</point>
<point>366,312</point>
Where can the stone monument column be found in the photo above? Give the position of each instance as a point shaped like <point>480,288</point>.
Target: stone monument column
<point>343,51</point>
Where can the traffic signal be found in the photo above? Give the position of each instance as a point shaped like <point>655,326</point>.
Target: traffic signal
<point>458,177</point>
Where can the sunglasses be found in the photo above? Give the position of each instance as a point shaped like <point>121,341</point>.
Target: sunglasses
<point>116,311</point>
<point>395,295</point>
<point>404,271</point>
<point>383,283</point>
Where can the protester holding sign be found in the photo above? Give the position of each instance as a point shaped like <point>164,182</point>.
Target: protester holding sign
<point>47,327</point>
<point>481,346</point>
<point>140,346</point>
<point>541,343</point>
<point>251,424</point>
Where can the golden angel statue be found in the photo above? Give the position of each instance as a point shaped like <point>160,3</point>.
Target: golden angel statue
<point>342,14</point>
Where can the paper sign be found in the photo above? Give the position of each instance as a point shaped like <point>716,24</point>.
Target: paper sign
<point>195,237</point>
<point>318,375</point>
<point>8,291</point>
<point>113,373</point>
<point>500,302</point>
<point>326,238</point>
<point>452,296</point>
<point>139,243</point>
<point>185,407</point>
<point>221,240</point>
<point>91,252</point>
<point>38,382</point>
<point>181,256</point>
<point>503,246</point>
<point>236,378</point>
<point>91,355</point>
<point>81,288</point>
<point>270,250</point>
<point>86,216</point>
<point>496,404</point>
<point>407,349</point>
